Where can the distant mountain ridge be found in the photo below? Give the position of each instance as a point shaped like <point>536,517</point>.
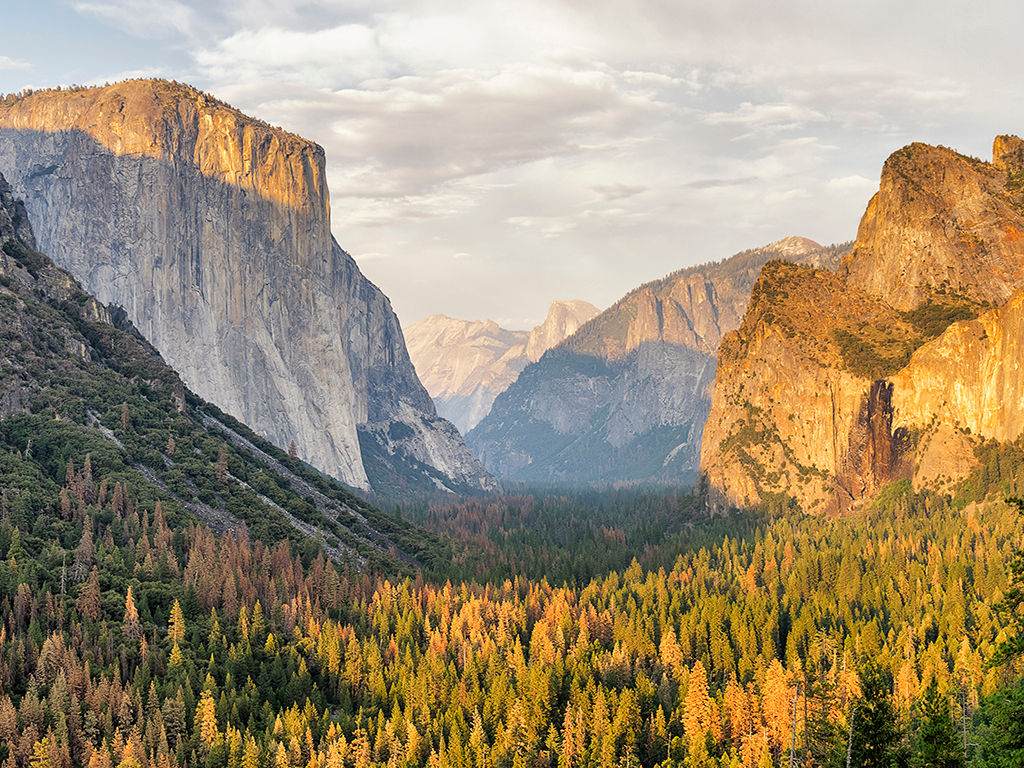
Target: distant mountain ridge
<point>895,369</point>
<point>212,230</point>
<point>466,364</point>
<point>624,399</point>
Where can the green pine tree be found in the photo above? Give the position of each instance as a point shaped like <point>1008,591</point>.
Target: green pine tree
<point>877,740</point>
<point>1003,742</point>
<point>936,743</point>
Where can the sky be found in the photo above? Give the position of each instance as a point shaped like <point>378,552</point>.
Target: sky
<point>487,157</point>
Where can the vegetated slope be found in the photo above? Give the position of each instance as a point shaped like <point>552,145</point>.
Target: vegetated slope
<point>625,398</point>
<point>212,230</point>
<point>88,405</point>
<point>464,365</point>
<point>143,646</point>
<point>922,325</point>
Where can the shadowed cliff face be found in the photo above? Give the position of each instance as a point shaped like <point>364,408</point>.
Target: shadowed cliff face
<point>213,231</point>
<point>877,454</point>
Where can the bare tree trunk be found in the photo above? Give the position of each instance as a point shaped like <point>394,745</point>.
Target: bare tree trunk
<point>792,747</point>
<point>849,743</point>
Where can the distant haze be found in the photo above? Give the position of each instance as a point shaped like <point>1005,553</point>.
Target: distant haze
<point>485,158</point>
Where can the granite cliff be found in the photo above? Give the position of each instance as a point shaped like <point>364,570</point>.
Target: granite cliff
<point>894,368</point>
<point>465,364</point>
<point>212,230</point>
<point>942,223</point>
<point>624,399</point>
<point>794,409</point>
<point>79,382</point>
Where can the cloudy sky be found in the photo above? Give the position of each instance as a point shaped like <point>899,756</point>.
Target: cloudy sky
<point>485,157</point>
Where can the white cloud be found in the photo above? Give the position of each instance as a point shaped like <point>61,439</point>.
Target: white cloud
<point>547,226</point>
<point>855,182</point>
<point>776,116</point>
<point>315,57</point>
<point>404,136</point>
<point>618,191</point>
<point>6,62</point>
<point>142,17</point>
<point>586,147</point>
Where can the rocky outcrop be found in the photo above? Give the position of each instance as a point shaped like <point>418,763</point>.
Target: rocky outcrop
<point>212,230</point>
<point>76,376</point>
<point>835,386</point>
<point>966,385</point>
<point>564,318</point>
<point>943,223</point>
<point>625,398</point>
<point>796,412</point>
<point>464,364</point>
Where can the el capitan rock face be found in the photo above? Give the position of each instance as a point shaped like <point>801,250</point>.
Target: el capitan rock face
<point>75,375</point>
<point>625,398</point>
<point>212,230</point>
<point>464,364</point>
<point>901,365</point>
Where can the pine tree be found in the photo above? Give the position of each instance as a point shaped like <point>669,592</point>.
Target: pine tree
<point>1011,605</point>
<point>250,754</point>
<point>777,706</point>
<point>85,554</point>
<point>937,744</point>
<point>41,755</point>
<point>89,601</point>
<point>877,740</point>
<point>1004,742</point>
<point>1003,745</point>
<point>176,660</point>
<point>206,720</point>
<point>130,626</point>
<point>699,708</point>
<point>176,625</point>
<point>824,737</point>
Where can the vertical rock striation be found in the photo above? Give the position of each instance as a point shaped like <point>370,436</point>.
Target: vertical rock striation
<point>212,230</point>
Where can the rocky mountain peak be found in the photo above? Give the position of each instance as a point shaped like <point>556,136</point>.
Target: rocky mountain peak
<point>838,384</point>
<point>159,119</point>
<point>625,398</point>
<point>212,230</point>
<point>942,224</point>
<point>1008,153</point>
<point>465,364</point>
<point>793,247</point>
<point>564,318</point>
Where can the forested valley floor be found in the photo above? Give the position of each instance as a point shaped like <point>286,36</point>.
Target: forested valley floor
<point>563,630</point>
